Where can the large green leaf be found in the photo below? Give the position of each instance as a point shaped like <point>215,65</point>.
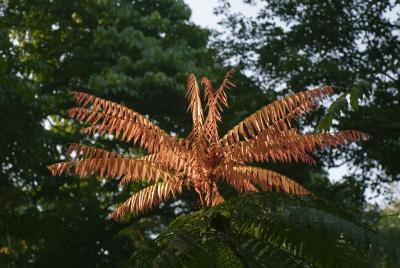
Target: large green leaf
<point>273,230</point>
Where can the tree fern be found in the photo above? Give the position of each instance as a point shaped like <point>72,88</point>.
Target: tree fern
<point>203,159</point>
<point>259,230</point>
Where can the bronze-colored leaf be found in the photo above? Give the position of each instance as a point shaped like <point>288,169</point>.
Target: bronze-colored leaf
<point>148,197</point>
<point>275,111</point>
<point>270,180</point>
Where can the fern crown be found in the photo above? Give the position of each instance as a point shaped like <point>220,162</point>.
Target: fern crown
<point>203,158</point>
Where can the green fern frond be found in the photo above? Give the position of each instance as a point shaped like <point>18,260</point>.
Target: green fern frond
<point>272,230</point>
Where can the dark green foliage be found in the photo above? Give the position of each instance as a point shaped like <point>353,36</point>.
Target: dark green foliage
<point>358,92</point>
<point>337,106</point>
<point>271,230</point>
<point>388,222</point>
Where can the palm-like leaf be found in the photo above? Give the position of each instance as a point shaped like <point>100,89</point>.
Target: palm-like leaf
<point>202,159</point>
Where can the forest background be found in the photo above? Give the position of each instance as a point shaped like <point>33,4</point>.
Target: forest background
<point>140,54</point>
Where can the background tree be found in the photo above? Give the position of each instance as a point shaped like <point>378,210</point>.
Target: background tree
<point>349,44</point>
<point>132,52</point>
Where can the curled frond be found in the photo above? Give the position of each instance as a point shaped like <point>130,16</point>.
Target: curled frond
<point>273,112</point>
<point>148,197</point>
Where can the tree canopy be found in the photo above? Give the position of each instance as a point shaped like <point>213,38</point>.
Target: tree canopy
<point>352,45</point>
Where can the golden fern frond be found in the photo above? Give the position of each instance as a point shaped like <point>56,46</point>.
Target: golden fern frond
<point>148,197</point>
<point>215,101</point>
<point>169,160</point>
<point>196,141</point>
<point>287,146</point>
<point>275,155</point>
<point>266,146</point>
<point>282,124</point>
<point>125,129</point>
<point>270,180</point>
<point>193,93</point>
<point>240,181</point>
<point>213,197</point>
<point>216,199</point>
<point>213,113</point>
<point>311,142</point>
<point>220,94</point>
<point>271,113</point>
<point>108,164</point>
<point>96,104</point>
